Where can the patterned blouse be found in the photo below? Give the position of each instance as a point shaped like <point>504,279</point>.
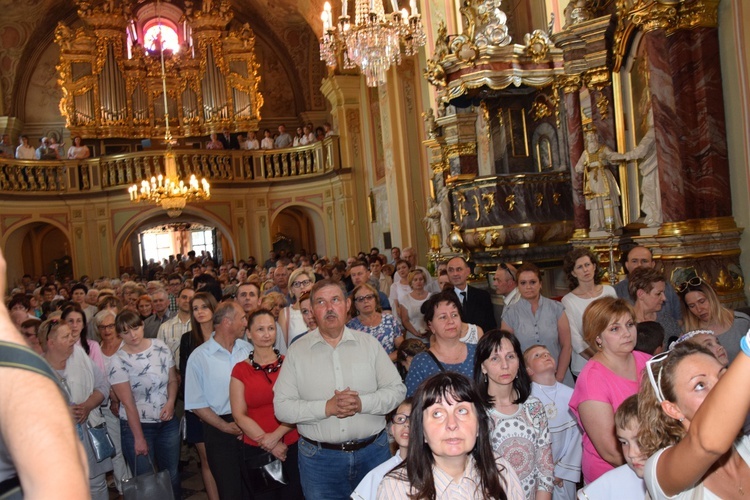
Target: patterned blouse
<point>385,333</point>
<point>148,375</point>
<point>523,440</point>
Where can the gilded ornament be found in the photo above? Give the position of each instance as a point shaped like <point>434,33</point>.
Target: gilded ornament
<point>569,83</point>
<point>540,109</point>
<point>556,198</point>
<point>537,45</point>
<point>511,201</point>
<point>539,199</point>
<point>602,105</point>
<point>477,207</point>
<point>489,201</point>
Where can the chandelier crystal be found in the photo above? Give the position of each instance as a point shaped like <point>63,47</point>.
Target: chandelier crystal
<point>169,191</point>
<point>374,42</point>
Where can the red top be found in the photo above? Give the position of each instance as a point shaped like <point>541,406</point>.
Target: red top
<point>259,399</point>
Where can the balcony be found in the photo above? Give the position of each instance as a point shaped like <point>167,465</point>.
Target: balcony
<point>117,172</point>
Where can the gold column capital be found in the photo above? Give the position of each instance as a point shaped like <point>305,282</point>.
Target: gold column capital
<point>597,78</point>
<point>651,15</point>
<point>569,83</point>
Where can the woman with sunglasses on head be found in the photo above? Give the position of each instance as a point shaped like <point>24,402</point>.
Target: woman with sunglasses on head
<point>251,397</point>
<point>290,319</point>
<point>202,307</point>
<point>367,316</point>
<point>582,269</point>
<point>398,428</point>
<point>537,320</point>
<point>692,410</point>
<point>702,310</point>
<point>450,452</point>
<point>609,377</point>
<point>520,431</point>
<point>144,378</point>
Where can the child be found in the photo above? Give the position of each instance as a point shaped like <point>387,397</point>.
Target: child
<point>650,337</point>
<point>398,428</point>
<point>626,481</point>
<point>563,427</point>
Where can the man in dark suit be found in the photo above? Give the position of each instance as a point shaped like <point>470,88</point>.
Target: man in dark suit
<point>477,304</point>
<point>228,140</point>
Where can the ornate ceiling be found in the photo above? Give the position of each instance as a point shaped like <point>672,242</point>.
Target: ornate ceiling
<point>288,28</point>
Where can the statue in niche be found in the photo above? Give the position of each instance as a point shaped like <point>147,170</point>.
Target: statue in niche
<point>431,127</point>
<point>599,185</point>
<point>432,223</point>
<point>444,205</point>
<point>645,151</point>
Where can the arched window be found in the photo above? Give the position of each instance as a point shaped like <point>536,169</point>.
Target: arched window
<point>158,36</point>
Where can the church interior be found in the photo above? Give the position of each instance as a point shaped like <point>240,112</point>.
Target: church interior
<point>503,131</point>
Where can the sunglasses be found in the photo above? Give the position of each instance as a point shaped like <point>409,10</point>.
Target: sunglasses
<point>363,298</point>
<point>656,381</point>
<point>503,265</point>
<point>685,285</point>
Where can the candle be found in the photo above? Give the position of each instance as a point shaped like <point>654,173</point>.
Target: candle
<point>413,5</point>
<point>394,5</point>
<point>343,7</point>
<point>404,16</point>
<point>324,18</point>
<point>372,5</point>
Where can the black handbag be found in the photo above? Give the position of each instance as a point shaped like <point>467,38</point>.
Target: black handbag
<point>153,486</point>
<point>264,473</point>
<point>100,441</point>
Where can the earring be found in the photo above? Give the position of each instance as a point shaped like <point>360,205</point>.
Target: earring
<point>683,418</point>
<point>486,380</point>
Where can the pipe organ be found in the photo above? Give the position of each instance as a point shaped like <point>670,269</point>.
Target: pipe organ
<point>112,79</point>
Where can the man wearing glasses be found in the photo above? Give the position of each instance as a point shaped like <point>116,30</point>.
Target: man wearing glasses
<point>642,257</point>
<point>336,384</point>
<point>174,283</point>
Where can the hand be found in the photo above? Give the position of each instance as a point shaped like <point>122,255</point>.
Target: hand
<point>141,447</point>
<point>343,404</point>
<point>557,482</point>
<point>114,406</point>
<point>268,441</point>
<point>279,451</point>
<point>232,428</point>
<point>80,413</point>
<point>167,412</point>
<point>616,157</point>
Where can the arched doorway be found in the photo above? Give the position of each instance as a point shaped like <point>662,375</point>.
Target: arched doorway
<point>37,248</point>
<point>139,241</point>
<point>297,228</point>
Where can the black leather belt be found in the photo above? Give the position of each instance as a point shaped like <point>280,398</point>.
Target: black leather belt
<point>348,446</point>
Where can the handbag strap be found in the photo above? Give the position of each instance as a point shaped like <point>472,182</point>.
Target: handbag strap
<point>437,361</point>
<point>17,356</point>
<point>135,464</point>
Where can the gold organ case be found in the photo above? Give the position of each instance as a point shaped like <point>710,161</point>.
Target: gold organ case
<point>112,85</point>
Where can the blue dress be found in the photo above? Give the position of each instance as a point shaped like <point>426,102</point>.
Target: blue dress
<point>423,367</point>
<point>385,333</point>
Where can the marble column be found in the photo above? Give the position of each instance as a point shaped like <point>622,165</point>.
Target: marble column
<point>689,123</point>
<point>574,128</point>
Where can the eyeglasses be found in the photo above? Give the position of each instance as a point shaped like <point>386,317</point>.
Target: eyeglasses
<point>107,327</point>
<point>503,265</point>
<point>685,285</point>
<point>300,284</point>
<point>400,419</point>
<point>656,381</point>
<point>363,298</point>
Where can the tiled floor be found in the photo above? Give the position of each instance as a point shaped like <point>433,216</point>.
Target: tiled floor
<point>190,473</point>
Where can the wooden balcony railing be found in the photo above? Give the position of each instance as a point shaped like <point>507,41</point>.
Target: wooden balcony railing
<point>109,173</point>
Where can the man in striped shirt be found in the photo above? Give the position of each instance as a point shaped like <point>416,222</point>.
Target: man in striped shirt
<point>171,331</point>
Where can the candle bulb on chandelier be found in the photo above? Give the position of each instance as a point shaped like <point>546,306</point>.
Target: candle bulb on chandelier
<point>404,16</point>
<point>372,5</point>
<point>413,5</point>
<point>394,5</point>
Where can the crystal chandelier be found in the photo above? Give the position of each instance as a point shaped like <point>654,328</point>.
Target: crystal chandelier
<point>374,41</point>
<point>169,191</point>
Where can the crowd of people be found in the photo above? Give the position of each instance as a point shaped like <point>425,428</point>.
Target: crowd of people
<point>304,135</point>
<point>304,377</point>
<point>48,149</point>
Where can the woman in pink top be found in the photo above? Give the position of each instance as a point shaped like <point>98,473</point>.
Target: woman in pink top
<point>610,377</point>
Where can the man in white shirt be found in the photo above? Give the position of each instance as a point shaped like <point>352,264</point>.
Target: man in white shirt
<point>336,384</point>
<point>172,330</point>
